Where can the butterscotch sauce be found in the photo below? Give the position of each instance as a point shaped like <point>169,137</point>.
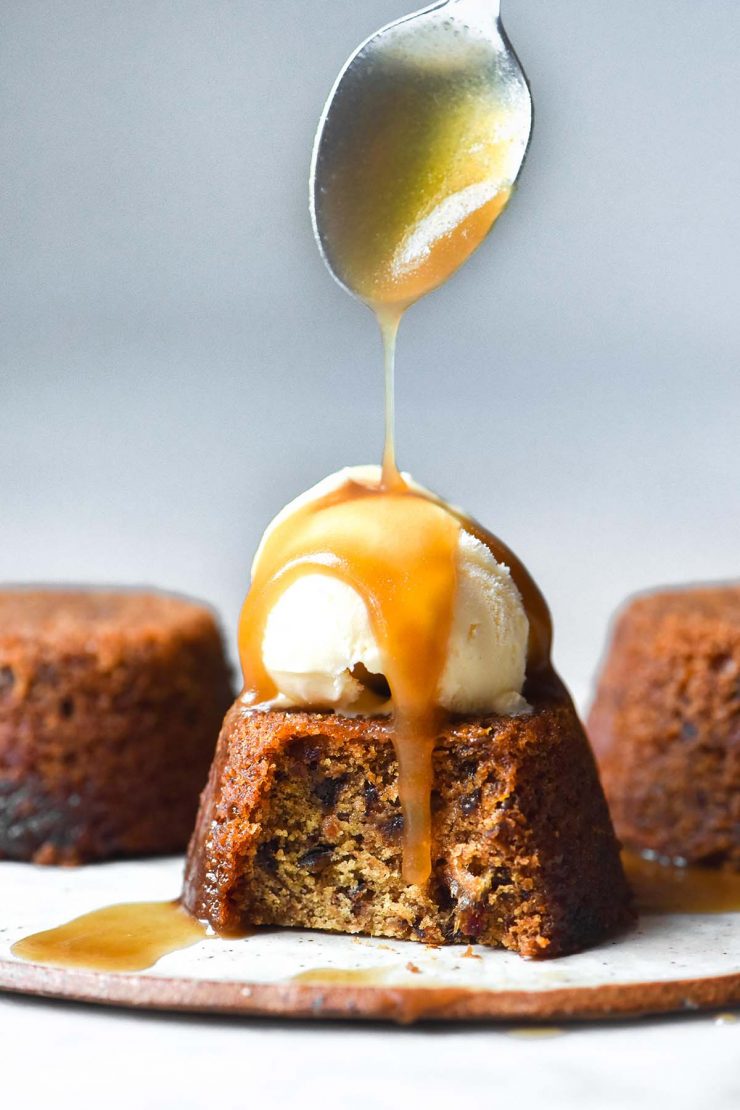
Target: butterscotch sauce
<point>397,549</point>
<point>412,1000</point>
<point>660,888</point>
<point>344,977</point>
<point>423,147</point>
<point>389,322</point>
<point>396,546</point>
<point>535,1032</point>
<point>127,937</point>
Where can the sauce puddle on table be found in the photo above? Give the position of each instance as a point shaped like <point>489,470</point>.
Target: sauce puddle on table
<point>127,937</point>
<point>661,888</point>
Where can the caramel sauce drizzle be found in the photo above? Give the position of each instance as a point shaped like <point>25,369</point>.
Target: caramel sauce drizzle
<point>127,937</point>
<point>661,888</point>
<point>396,546</point>
<point>409,1002</point>
<point>397,550</point>
<point>345,977</point>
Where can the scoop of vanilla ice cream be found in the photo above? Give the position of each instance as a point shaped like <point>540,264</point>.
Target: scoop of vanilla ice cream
<point>319,632</point>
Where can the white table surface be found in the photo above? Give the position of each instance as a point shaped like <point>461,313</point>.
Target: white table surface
<point>64,1055</point>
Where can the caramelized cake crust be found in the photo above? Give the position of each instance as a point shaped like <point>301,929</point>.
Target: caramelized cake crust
<point>300,824</point>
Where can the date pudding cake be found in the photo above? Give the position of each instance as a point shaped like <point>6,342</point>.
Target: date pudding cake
<point>665,725</point>
<point>403,760</point>
<point>110,704</point>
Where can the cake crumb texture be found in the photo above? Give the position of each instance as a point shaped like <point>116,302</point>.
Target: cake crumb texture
<point>301,825</point>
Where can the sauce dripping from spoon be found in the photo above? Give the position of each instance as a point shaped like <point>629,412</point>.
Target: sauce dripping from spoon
<point>416,156</point>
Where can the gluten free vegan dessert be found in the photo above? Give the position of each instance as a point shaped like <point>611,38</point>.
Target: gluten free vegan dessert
<point>110,703</point>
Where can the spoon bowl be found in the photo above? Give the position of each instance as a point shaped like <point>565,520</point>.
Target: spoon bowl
<point>417,151</point>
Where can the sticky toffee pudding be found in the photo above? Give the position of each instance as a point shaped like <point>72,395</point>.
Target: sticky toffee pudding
<point>665,725</point>
<point>110,704</point>
<point>403,760</point>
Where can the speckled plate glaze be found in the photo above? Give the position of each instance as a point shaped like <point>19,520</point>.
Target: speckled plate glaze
<point>668,963</point>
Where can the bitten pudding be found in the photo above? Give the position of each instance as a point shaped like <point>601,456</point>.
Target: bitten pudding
<point>403,761</point>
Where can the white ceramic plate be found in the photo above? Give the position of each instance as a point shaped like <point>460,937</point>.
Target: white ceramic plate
<point>668,962</point>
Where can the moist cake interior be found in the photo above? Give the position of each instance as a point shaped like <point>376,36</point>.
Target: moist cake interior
<point>301,825</point>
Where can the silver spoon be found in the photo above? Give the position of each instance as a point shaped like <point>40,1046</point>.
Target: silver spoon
<point>406,86</point>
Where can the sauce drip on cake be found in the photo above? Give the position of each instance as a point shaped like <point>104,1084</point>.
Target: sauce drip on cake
<point>396,546</point>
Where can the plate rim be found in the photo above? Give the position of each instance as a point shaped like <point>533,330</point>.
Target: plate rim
<point>396,1004</point>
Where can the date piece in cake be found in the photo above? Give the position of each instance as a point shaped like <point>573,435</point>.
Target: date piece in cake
<point>301,825</point>
<point>666,725</point>
<point>110,705</point>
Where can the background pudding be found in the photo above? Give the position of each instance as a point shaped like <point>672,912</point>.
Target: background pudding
<point>665,724</point>
<point>110,704</point>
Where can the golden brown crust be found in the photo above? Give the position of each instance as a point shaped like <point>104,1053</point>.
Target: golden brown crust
<point>666,724</point>
<point>300,824</point>
<point>110,703</point>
